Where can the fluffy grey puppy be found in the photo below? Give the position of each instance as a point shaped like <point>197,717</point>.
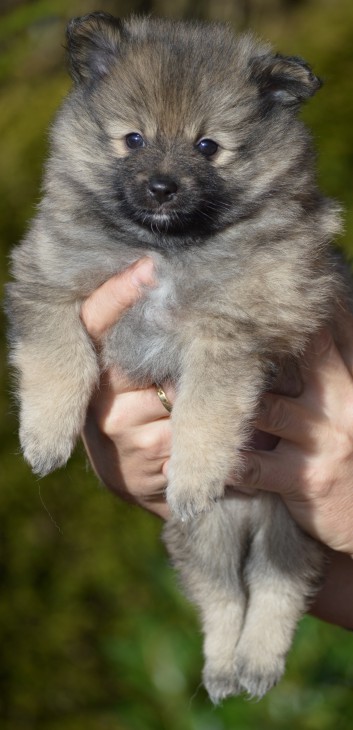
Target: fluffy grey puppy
<point>182,141</point>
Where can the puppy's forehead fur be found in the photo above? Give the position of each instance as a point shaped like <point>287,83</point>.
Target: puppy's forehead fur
<point>170,78</point>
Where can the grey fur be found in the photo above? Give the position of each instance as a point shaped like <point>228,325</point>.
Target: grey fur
<point>242,257</point>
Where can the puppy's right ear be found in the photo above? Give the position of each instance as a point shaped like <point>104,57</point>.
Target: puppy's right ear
<point>93,46</point>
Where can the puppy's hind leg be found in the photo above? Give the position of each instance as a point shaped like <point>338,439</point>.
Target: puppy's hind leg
<point>208,552</point>
<point>282,572</point>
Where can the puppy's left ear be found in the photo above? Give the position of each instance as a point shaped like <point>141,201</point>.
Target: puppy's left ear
<point>93,43</point>
<point>286,80</point>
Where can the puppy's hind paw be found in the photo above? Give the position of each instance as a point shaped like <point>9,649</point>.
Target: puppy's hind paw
<point>258,680</point>
<point>221,686</point>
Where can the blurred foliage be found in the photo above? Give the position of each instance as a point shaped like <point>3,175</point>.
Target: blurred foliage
<point>94,632</point>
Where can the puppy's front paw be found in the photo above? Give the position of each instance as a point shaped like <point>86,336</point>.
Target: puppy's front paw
<point>44,451</point>
<point>48,435</point>
<point>186,504</point>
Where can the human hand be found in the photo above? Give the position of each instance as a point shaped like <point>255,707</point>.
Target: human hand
<point>127,433</point>
<point>312,465</point>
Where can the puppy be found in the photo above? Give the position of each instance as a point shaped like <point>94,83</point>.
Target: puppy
<point>182,141</point>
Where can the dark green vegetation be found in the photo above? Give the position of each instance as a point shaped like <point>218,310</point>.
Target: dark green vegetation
<point>94,633</point>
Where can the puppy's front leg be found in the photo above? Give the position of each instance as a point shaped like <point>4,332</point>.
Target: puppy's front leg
<point>216,399</point>
<point>58,370</point>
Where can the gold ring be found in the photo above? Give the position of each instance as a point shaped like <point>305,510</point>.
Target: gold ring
<point>163,398</point>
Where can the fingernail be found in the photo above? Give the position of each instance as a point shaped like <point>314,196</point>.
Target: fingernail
<point>143,273</point>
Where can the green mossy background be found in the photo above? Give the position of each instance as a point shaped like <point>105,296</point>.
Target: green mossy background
<point>94,632</point>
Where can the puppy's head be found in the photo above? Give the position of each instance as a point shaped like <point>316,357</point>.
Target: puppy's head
<point>180,129</point>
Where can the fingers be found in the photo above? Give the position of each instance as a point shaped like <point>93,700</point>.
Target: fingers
<point>128,440</point>
<point>118,406</point>
<point>286,470</point>
<point>264,470</point>
<point>315,448</point>
<point>132,464</point>
<point>286,418</point>
<point>327,388</point>
<point>328,391</point>
<point>147,446</point>
<point>107,304</point>
<point>302,424</point>
<point>321,361</point>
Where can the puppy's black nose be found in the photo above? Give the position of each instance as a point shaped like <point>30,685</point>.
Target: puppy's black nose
<point>162,188</point>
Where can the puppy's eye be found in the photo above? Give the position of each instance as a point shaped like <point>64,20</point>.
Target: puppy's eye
<point>134,141</point>
<point>207,147</point>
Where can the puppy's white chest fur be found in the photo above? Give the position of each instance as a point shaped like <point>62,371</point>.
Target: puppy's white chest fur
<point>148,338</point>
<point>159,307</point>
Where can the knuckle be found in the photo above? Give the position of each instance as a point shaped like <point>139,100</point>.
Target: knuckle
<point>315,480</point>
<point>151,442</point>
<point>116,417</point>
<point>112,424</point>
<point>323,342</point>
<point>344,444</point>
<point>253,473</point>
<point>152,492</point>
<point>336,443</point>
<point>277,414</point>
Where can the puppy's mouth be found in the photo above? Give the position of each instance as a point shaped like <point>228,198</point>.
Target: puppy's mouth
<point>172,220</point>
<point>162,221</point>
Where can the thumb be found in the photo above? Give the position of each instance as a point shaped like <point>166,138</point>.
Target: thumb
<point>107,303</point>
